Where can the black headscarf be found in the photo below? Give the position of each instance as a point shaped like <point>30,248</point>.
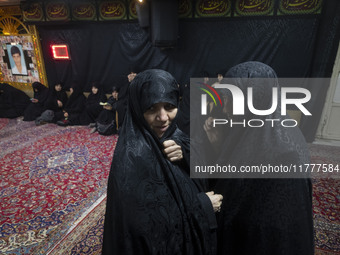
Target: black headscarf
<point>150,88</point>
<point>92,108</point>
<point>77,91</point>
<point>93,100</point>
<point>106,117</point>
<point>274,142</point>
<point>54,96</point>
<point>76,101</point>
<point>263,216</point>
<point>153,207</point>
<point>60,95</point>
<point>40,92</point>
<point>111,100</point>
<point>34,110</point>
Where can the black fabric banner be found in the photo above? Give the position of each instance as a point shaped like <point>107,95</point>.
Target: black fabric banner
<point>294,46</point>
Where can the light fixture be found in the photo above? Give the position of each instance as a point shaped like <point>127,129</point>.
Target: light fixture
<point>60,51</point>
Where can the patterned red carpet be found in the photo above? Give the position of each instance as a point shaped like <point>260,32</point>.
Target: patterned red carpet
<point>326,207</point>
<point>50,177</point>
<point>53,183</point>
<point>326,202</point>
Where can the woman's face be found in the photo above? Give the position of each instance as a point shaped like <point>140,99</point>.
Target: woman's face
<point>57,87</point>
<point>115,95</point>
<point>131,76</point>
<point>159,117</point>
<point>94,90</point>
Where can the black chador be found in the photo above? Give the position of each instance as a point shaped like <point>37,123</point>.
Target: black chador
<point>37,106</point>
<point>262,216</point>
<point>13,102</point>
<point>153,207</point>
<point>54,96</point>
<point>74,106</point>
<point>91,110</point>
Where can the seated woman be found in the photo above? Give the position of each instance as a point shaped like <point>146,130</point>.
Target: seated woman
<point>153,207</point>
<point>111,117</point>
<point>92,108</point>
<point>54,104</point>
<point>36,107</point>
<point>73,107</point>
<point>13,102</point>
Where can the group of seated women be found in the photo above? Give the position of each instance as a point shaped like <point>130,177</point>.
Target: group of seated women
<point>53,105</point>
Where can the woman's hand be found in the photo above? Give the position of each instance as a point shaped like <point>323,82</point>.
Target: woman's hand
<point>34,100</point>
<point>60,104</point>
<point>172,150</point>
<point>216,200</point>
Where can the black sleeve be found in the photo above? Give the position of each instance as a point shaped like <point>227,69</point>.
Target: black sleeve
<point>64,99</point>
<point>208,209</point>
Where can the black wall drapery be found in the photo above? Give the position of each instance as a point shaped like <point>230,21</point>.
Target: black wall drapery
<point>295,46</point>
<point>321,65</point>
<point>103,52</point>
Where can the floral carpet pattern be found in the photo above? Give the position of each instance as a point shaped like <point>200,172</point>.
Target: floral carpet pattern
<point>53,184</point>
<point>87,237</point>
<point>326,202</point>
<point>326,208</point>
<point>49,178</point>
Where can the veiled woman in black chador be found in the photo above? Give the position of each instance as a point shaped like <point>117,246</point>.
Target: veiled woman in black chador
<point>261,216</point>
<point>153,207</point>
<point>74,106</point>
<point>92,107</point>
<point>111,117</point>
<point>37,106</point>
<point>57,98</point>
<point>13,101</point>
<point>54,104</point>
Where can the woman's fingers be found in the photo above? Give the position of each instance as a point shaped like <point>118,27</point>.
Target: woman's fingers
<point>216,200</point>
<point>170,146</point>
<point>172,150</point>
<point>208,124</point>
